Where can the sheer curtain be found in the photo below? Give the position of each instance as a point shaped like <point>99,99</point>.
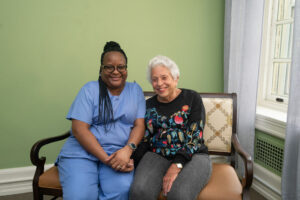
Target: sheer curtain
<point>290,180</point>
<point>242,44</point>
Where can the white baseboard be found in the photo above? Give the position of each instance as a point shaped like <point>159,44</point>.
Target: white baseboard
<point>17,180</point>
<point>266,183</point>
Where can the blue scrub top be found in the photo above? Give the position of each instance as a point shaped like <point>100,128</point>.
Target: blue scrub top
<point>127,107</point>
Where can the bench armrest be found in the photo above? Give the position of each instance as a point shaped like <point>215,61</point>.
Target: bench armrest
<point>34,154</point>
<point>248,163</point>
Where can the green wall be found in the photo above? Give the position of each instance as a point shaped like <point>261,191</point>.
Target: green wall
<point>49,49</point>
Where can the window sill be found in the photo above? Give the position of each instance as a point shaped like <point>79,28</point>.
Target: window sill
<point>271,121</point>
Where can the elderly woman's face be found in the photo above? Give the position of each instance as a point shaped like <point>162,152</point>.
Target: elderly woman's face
<point>114,79</point>
<point>163,82</point>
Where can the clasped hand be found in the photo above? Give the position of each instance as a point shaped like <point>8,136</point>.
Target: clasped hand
<point>169,178</point>
<point>120,160</point>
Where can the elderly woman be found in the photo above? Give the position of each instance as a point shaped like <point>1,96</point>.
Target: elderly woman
<point>107,123</point>
<point>175,158</point>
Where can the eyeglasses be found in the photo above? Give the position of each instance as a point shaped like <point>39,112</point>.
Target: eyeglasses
<point>110,68</point>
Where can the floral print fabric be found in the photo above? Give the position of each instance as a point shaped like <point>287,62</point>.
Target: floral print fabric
<point>177,127</point>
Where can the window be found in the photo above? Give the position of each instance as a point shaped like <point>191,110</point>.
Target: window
<point>276,54</point>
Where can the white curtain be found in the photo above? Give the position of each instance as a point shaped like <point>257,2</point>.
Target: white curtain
<point>242,44</point>
<point>290,180</point>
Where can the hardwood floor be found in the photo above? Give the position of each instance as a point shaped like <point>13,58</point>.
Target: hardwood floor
<point>28,196</point>
<point>25,196</point>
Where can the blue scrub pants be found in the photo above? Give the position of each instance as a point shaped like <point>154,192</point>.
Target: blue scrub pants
<point>84,179</point>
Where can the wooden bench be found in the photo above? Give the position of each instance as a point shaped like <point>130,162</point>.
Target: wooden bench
<point>220,137</point>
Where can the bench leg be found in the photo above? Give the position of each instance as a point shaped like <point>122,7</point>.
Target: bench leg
<point>37,195</point>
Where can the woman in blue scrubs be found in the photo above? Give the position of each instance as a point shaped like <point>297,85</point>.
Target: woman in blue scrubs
<point>107,123</point>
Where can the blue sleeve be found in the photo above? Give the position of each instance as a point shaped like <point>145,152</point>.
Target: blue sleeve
<point>141,103</point>
<point>82,107</point>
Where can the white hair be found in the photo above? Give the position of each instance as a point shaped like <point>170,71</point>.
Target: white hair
<point>166,62</point>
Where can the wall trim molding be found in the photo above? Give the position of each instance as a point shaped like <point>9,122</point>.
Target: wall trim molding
<point>266,183</point>
<point>268,124</point>
<point>17,180</point>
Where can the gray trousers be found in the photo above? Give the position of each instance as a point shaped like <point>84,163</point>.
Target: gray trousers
<point>149,174</point>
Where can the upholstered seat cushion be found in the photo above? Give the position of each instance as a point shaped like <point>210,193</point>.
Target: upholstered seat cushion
<point>50,179</point>
<point>223,184</point>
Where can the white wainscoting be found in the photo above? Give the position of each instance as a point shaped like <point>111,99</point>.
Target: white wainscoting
<point>17,180</point>
<point>266,183</point>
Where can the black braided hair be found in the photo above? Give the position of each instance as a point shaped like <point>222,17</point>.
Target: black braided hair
<point>107,114</point>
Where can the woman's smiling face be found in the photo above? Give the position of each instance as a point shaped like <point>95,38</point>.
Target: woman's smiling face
<point>163,83</point>
<point>114,80</point>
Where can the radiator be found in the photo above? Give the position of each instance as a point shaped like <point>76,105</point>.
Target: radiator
<point>268,152</point>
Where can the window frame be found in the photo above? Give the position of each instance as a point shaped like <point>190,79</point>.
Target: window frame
<point>264,97</point>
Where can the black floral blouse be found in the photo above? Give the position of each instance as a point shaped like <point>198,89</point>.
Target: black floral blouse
<point>174,130</point>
